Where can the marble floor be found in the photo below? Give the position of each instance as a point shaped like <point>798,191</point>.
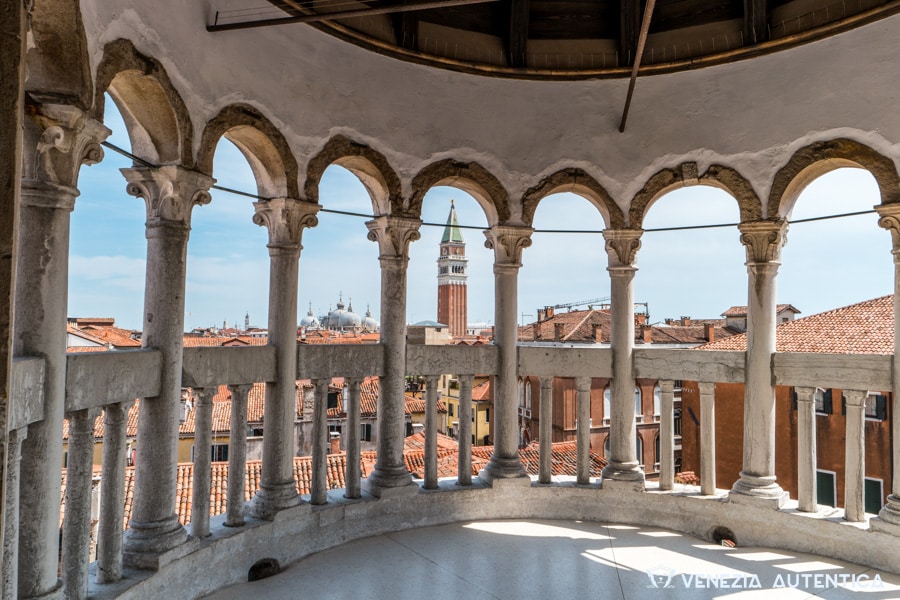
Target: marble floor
<point>533,559</point>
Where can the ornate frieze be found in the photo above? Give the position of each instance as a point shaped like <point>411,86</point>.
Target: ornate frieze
<point>63,138</point>
<point>507,243</point>
<point>171,192</point>
<point>285,218</point>
<point>393,235</point>
<point>622,246</point>
<point>763,240</point>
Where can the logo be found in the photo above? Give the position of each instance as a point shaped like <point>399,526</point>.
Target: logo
<point>661,577</point>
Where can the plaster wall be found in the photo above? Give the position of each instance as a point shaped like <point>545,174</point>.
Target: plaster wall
<point>751,114</point>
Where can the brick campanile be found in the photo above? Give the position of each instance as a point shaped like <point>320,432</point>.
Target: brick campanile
<point>452,308</point>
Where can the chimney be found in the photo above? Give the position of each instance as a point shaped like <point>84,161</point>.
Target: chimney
<point>686,321</point>
<point>647,333</point>
<point>558,331</point>
<point>541,315</point>
<point>335,442</point>
<point>598,332</point>
<point>709,331</point>
<point>549,311</point>
<point>418,428</point>
<point>640,318</point>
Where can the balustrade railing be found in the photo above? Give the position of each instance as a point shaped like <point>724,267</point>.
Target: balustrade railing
<point>109,382</point>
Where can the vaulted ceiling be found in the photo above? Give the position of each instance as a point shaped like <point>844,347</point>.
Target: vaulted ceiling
<point>568,38</point>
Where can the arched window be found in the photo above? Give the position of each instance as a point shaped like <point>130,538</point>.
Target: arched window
<point>521,393</point>
<point>607,394</point>
<point>656,454</point>
<point>528,395</point>
<point>638,449</point>
<point>638,409</point>
<point>657,403</point>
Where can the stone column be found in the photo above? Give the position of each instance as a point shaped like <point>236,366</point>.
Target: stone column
<point>666,434</point>
<point>319,480</point>
<point>855,456</point>
<point>807,498</point>
<point>13,34</point>
<point>77,522</point>
<point>507,243</point>
<point>202,479</point>
<point>583,430</point>
<point>431,425</point>
<point>170,193</point>
<point>545,433</point>
<point>621,247</point>
<point>889,517</point>
<point>58,140</point>
<point>351,407</point>
<point>285,219</point>
<point>393,235</point>
<point>112,493</point>
<point>707,438</point>
<point>464,464</point>
<point>763,241</point>
<point>12,483</point>
<point>237,455</point>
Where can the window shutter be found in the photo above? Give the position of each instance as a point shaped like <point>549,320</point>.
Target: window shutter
<point>843,404</point>
<point>827,407</point>
<point>881,407</point>
<point>793,399</point>
<point>332,399</point>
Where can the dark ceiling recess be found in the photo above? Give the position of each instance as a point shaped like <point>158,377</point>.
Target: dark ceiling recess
<point>565,39</point>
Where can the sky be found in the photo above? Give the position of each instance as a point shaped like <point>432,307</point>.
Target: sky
<point>698,273</point>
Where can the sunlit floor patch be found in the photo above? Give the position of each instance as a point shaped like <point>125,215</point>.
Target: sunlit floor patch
<point>536,530</point>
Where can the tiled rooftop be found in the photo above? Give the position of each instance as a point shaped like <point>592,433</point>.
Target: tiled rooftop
<point>862,328</point>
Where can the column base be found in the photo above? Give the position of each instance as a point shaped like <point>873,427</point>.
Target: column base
<point>755,490</point>
<point>522,481</point>
<point>270,499</point>
<point>503,468</point>
<point>625,477</point>
<point>888,519</point>
<point>389,483</point>
<point>144,542</point>
<point>57,593</point>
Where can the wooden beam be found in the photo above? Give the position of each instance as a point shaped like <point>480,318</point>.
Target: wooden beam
<point>642,39</point>
<point>517,38</point>
<point>406,28</point>
<point>311,17</point>
<point>756,18</point>
<point>629,27</point>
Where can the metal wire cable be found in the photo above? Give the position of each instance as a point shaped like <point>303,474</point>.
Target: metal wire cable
<point>347,213</point>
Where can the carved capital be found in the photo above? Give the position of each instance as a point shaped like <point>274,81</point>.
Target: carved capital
<point>763,240</point>
<point>889,218</point>
<point>170,192</point>
<point>393,235</point>
<point>63,138</point>
<point>507,243</point>
<point>622,246</point>
<point>285,218</point>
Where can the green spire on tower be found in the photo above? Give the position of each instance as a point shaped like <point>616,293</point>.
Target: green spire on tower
<point>452,232</point>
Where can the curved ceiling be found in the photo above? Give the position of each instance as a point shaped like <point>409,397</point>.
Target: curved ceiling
<point>565,39</point>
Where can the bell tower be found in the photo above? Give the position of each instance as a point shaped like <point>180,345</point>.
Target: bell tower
<point>452,308</point>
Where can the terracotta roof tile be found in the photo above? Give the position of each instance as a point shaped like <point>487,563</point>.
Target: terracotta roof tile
<point>863,328</point>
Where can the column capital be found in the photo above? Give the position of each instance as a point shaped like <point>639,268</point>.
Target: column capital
<point>763,240</point>
<point>622,246</point>
<point>393,235</point>
<point>63,138</point>
<point>285,219</point>
<point>507,242</point>
<point>170,192</point>
<point>889,218</point>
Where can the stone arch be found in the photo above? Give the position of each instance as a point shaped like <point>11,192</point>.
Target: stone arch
<point>262,144</point>
<point>471,178</point>
<point>159,125</point>
<point>577,182</point>
<point>369,165</point>
<point>814,160</point>
<point>57,63</point>
<point>686,174</point>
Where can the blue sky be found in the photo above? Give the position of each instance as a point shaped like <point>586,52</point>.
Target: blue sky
<point>698,273</point>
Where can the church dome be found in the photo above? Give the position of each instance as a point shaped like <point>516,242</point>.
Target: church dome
<point>310,321</point>
<point>343,319</point>
<point>369,323</point>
